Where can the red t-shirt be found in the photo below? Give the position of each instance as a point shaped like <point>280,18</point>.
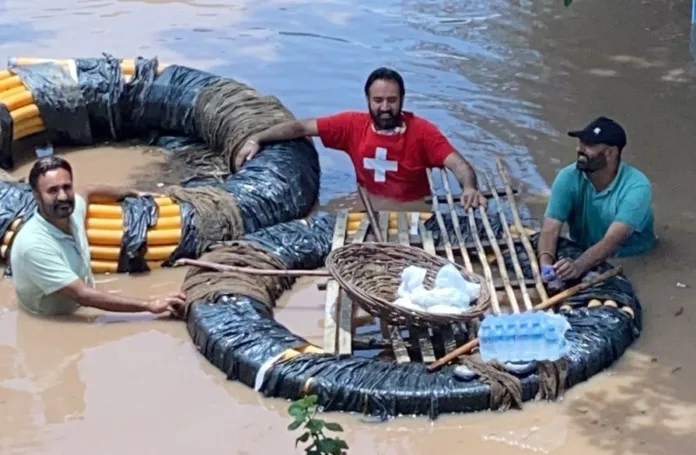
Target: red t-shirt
<point>391,166</point>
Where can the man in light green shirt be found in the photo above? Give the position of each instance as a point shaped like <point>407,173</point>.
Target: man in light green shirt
<point>50,257</point>
<point>606,203</point>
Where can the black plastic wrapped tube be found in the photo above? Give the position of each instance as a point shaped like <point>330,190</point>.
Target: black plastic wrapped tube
<point>280,184</point>
<point>597,338</point>
<point>60,101</point>
<point>139,215</point>
<point>6,134</point>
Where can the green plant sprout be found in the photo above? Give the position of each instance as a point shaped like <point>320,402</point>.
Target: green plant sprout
<point>304,411</point>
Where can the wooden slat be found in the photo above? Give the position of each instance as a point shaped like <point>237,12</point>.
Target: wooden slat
<point>418,334</point>
<point>345,312</point>
<point>332,289</point>
<point>486,193</point>
<point>384,224</point>
<point>426,345</point>
<point>398,344</point>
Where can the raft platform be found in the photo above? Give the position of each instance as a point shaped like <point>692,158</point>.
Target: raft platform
<point>410,344</point>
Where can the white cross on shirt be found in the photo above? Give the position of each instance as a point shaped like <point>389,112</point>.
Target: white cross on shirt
<point>380,164</point>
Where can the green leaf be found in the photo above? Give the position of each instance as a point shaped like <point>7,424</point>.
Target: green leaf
<point>295,425</point>
<point>303,438</point>
<point>343,444</point>
<point>567,2</point>
<point>315,425</point>
<point>330,446</point>
<point>331,426</point>
<point>312,400</point>
<point>296,410</point>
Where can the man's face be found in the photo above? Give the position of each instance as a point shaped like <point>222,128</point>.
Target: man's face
<point>591,158</point>
<point>54,194</point>
<point>384,102</point>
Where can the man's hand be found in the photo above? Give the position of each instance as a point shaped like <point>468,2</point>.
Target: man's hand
<point>547,273</point>
<point>568,270</point>
<point>173,303</point>
<point>249,149</point>
<point>471,197</point>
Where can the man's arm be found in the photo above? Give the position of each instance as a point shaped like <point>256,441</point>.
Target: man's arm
<point>616,235</point>
<point>78,292</point>
<point>335,131</point>
<point>461,169</point>
<point>52,274</point>
<point>558,211</point>
<point>106,193</point>
<point>548,240</point>
<point>633,210</point>
<point>287,131</point>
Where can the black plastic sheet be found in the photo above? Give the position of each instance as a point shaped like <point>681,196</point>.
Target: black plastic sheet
<point>101,83</point>
<point>298,244</point>
<point>187,246</point>
<point>597,338</point>
<point>16,201</point>
<point>238,334</point>
<point>6,133</point>
<point>59,98</point>
<point>280,184</point>
<point>166,103</point>
<point>139,215</point>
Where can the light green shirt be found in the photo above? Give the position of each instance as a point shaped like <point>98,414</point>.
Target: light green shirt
<point>44,259</point>
<point>589,212</point>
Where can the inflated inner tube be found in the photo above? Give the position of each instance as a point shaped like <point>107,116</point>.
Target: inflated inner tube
<point>257,216</point>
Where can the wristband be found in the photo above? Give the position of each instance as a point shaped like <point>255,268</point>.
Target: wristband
<point>546,253</point>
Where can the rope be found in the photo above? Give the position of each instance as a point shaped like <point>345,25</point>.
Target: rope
<point>217,219</point>
<point>202,284</point>
<point>506,389</point>
<point>552,379</point>
<point>228,112</point>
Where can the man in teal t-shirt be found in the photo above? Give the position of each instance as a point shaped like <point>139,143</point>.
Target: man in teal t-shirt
<point>606,203</point>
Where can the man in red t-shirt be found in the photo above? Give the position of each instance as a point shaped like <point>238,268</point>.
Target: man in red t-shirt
<point>390,148</point>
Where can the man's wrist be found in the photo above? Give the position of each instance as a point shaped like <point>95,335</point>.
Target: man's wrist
<point>546,258</point>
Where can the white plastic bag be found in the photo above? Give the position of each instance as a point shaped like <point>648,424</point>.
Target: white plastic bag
<point>451,293</point>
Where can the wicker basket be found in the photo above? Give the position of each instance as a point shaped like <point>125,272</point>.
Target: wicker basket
<point>370,273</point>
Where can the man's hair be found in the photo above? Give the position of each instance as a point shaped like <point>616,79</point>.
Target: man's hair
<point>385,74</point>
<point>44,165</point>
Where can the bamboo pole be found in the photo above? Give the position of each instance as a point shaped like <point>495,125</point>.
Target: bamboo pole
<point>488,275</point>
<point>523,235</point>
<point>455,222</point>
<point>511,245</point>
<point>500,260</point>
<point>250,270</point>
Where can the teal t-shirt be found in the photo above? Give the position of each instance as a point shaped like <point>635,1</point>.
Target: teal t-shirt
<point>44,259</point>
<point>589,213</point>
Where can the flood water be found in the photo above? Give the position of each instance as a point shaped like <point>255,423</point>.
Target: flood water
<point>501,78</point>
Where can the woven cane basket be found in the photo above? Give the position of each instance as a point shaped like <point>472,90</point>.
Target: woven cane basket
<point>370,274</point>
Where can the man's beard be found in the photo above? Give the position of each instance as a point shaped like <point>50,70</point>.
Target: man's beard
<point>386,120</point>
<point>590,165</point>
<point>59,209</point>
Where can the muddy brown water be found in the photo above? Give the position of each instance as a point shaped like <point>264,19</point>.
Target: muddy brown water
<point>501,78</point>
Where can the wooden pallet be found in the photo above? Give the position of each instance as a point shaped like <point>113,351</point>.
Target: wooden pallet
<point>426,345</point>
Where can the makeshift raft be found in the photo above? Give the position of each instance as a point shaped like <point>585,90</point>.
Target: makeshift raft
<point>257,217</point>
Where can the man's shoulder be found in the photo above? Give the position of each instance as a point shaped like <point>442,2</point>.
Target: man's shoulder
<point>32,238</point>
<point>417,121</point>
<point>632,176</point>
<point>568,175</point>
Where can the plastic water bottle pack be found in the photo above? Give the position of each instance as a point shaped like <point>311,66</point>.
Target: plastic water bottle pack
<point>523,337</point>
